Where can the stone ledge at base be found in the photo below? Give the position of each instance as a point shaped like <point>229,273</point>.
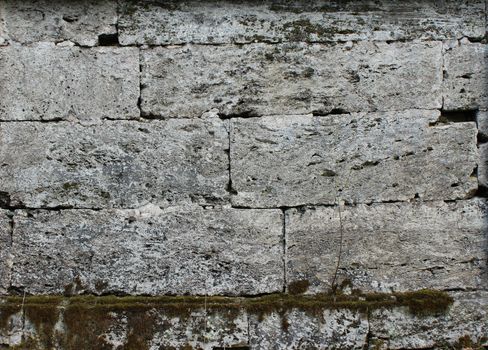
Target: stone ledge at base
<point>361,321</point>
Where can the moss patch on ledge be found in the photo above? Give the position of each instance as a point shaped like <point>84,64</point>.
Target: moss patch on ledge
<point>85,318</point>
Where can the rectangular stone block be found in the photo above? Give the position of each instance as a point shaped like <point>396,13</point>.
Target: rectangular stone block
<point>5,256</point>
<point>262,79</point>
<point>464,326</point>
<point>361,157</point>
<point>219,22</point>
<point>121,164</point>
<point>389,247</point>
<point>81,22</point>
<point>328,329</point>
<point>45,82</point>
<point>178,250</point>
<point>465,76</point>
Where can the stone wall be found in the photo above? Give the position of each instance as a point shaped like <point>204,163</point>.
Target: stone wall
<point>243,174</point>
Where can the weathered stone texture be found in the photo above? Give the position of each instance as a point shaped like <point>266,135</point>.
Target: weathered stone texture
<point>466,76</point>
<point>45,81</point>
<point>123,164</point>
<point>363,158</point>
<point>394,246</point>
<point>218,22</point>
<point>331,329</point>
<point>483,165</point>
<point>482,121</point>
<point>173,251</point>
<point>262,79</point>
<point>467,318</point>
<point>5,257</point>
<point>58,20</point>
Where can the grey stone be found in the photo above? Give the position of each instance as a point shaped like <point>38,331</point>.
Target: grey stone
<point>467,318</point>
<point>332,329</point>
<point>5,256</point>
<point>263,79</point>
<point>466,76</point>
<point>215,331</point>
<point>394,246</point>
<point>482,120</point>
<point>361,157</point>
<point>483,165</point>
<point>218,22</point>
<point>58,20</point>
<point>44,82</point>
<point>121,164</point>
<point>179,250</point>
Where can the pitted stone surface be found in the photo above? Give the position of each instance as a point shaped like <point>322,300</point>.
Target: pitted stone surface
<point>482,121</point>
<point>331,329</point>
<point>394,246</point>
<point>122,164</point>
<point>44,82</point>
<point>467,317</point>
<point>5,257</point>
<point>179,250</point>
<point>363,158</point>
<point>483,165</point>
<point>466,76</point>
<point>217,22</point>
<point>58,20</point>
<point>263,79</point>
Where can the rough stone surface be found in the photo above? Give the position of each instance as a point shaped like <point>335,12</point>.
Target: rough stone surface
<point>122,164</point>
<point>172,251</point>
<point>363,158</point>
<point>263,79</point>
<point>218,22</point>
<point>467,317</point>
<point>5,257</point>
<point>44,81</point>
<point>58,20</point>
<point>394,246</point>
<point>332,329</point>
<point>482,120</point>
<point>466,76</point>
<point>483,165</point>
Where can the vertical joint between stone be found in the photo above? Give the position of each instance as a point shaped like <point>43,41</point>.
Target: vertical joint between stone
<point>285,276</point>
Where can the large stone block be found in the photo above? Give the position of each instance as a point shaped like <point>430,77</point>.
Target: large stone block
<point>329,329</point>
<point>179,250</point>
<point>363,158</point>
<point>262,79</point>
<point>122,164</point>
<point>394,246</point>
<point>466,76</point>
<point>5,254</point>
<point>44,81</point>
<point>464,326</point>
<point>81,22</point>
<point>218,22</point>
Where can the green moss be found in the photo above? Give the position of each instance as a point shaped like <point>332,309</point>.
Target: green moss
<point>465,342</point>
<point>303,29</point>
<point>86,317</point>
<point>298,287</point>
<point>70,186</point>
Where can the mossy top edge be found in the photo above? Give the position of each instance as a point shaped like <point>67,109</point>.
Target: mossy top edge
<point>421,302</point>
